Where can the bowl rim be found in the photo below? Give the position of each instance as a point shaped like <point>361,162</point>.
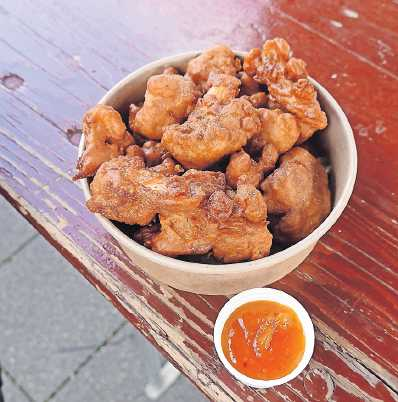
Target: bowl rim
<point>268,294</point>
<point>221,269</point>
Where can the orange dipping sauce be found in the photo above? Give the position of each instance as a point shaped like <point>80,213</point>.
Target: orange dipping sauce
<point>263,340</point>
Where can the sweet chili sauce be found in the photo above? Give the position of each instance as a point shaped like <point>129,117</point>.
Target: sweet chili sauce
<point>263,340</point>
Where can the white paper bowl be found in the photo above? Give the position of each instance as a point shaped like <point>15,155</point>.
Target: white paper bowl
<point>232,278</point>
<point>269,295</point>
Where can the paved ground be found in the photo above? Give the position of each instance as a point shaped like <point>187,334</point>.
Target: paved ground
<point>60,340</point>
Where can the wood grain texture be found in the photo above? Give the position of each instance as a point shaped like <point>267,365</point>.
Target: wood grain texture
<point>59,58</point>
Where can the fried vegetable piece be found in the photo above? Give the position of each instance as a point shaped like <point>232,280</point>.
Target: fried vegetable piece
<point>126,191</point>
<point>219,59</point>
<point>235,228</point>
<point>242,169</point>
<point>105,137</point>
<point>277,128</point>
<point>169,99</point>
<point>219,125</point>
<point>288,84</point>
<point>297,195</point>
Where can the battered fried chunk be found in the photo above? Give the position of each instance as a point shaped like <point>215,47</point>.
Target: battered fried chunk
<point>220,125</point>
<point>169,99</point>
<point>126,191</point>
<point>297,196</point>
<point>235,228</point>
<point>288,84</point>
<point>218,59</point>
<point>244,170</point>
<point>105,137</point>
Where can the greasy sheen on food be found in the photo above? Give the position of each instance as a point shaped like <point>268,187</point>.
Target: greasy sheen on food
<point>288,84</point>
<point>169,98</point>
<point>105,137</point>
<point>233,227</point>
<point>219,59</point>
<point>219,125</point>
<point>297,195</point>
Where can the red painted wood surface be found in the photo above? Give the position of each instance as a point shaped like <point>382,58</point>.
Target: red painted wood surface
<point>58,58</point>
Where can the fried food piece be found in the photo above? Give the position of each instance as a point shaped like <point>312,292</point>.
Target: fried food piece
<point>135,150</point>
<point>219,126</point>
<point>298,196</point>
<point>133,110</point>
<point>288,84</point>
<point>168,167</point>
<point>170,70</point>
<point>277,128</point>
<point>244,235</point>
<point>154,153</point>
<point>105,137</point>
<point>234,227</point>
<point>258,100</point>
<point>218,59</point>
<point>125,191</point>
<point>222,89</point>
<point>249,85</point>
<point>169,99</point>
<point>242,169</point>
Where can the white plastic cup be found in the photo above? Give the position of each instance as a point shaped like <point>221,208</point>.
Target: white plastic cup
<point>273,295</point>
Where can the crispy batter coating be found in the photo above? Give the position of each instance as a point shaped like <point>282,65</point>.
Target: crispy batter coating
<point>235,228</point>
<point>218,59</point>
<point>244,236</point>
<point>169,99</point>
<point>125,191</point>
<point>288,85</point>
<point>154,153</point>
<point>258,100</point>
<point>105,137</point>
<point>219,126</point>
<point>168,167</point>
<point>277,128</point>
<point>249,85</point>
<point>170,70</point>
<point>242,169</point>
<point>135,150</point>
<point>297,195</point>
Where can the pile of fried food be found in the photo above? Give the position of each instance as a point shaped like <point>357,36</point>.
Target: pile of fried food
<point>211,154</point>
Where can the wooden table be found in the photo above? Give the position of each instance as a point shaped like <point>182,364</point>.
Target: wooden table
<point>59,58</point>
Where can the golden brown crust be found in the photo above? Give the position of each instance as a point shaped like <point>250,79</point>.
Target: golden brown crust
<point>242,169</point>
<point>234,228</point>
<point>288,84</point>
<point>105,137</point>
<point>220,125</point>
<point>125,190</point>
<point>219,59</point>
<point>277,128</point>
<point>298,196</point>
<point>169,99</point>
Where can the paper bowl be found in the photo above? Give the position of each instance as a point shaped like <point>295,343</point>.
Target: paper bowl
<point>226,279</point>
